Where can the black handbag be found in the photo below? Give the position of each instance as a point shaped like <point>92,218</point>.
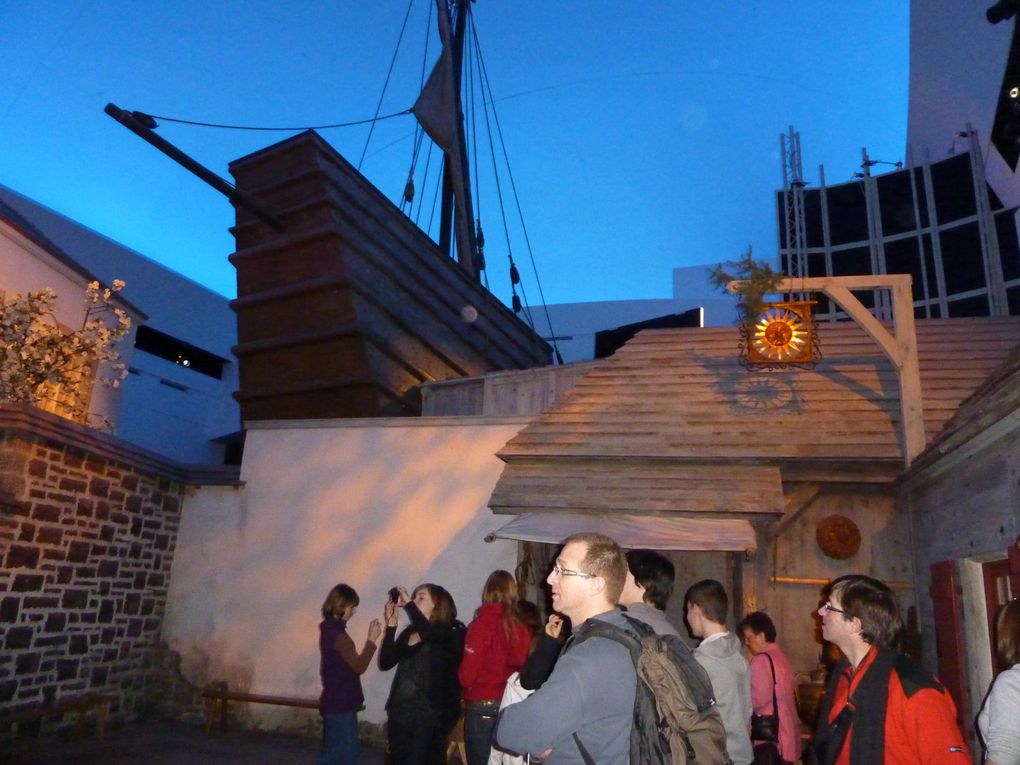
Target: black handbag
<point>767,754</point>
<point>766,727</point>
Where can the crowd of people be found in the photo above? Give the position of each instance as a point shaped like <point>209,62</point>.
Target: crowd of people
<point>530,692</point>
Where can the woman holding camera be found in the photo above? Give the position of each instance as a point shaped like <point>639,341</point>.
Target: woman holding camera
<point>341,667</point>
<point>424,701</point>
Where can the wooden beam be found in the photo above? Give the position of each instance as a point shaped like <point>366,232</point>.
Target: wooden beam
<point>900,347</point>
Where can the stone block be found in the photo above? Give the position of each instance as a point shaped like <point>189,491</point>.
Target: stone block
<point>107,533</point>
<point>37,468</point>
<point>41,601</point>
<point>129,482</point>
<point>18,637</point>
<point>50,535</point>
<point>21,556</point>
<point>79,644</point>
<point>27,533</point>
<point>28,663</point>
<point>78,552</point>
<point>9,609</point>
<point>7,690</point>
<point>27,583</point>
<point>72,485</point>
<point>48,513</point>
<point>99,676</point>
<point>55,622</point>
<point>132,603</point>
<point>108,569</point>
<point>85,508</point>
<point>106,611</point>
<point>84,572</point>
<point>73,460</point>
<point>99,487</point>
<point>74,599</point>
<point>64,574</point>
<point>67,669</point>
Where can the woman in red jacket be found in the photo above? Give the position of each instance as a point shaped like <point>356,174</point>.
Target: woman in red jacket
<point>496,645</point>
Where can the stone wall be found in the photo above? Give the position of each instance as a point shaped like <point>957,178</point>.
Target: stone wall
<point>88,528</point>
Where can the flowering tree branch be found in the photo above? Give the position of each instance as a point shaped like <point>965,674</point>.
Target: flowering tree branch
<point>42,361</point>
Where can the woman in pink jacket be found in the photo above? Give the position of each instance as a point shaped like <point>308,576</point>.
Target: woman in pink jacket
<point>759,634</point>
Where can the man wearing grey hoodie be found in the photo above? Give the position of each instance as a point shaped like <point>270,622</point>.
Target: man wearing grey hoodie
<point>721,654</point>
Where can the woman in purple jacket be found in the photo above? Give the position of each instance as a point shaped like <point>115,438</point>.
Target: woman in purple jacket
<point>341,668</point>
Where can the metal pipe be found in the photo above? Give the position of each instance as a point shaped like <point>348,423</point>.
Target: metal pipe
<point>821,582</point>
<point>136,123</point>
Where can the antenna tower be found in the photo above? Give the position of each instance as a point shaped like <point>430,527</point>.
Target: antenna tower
<point>793,204</point>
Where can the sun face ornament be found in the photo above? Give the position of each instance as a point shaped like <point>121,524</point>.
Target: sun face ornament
<point>783,334</point>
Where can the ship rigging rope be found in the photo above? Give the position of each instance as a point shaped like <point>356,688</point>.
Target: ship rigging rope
<point>382,95</point>
<point>283,129</point>
<point>484,78</point>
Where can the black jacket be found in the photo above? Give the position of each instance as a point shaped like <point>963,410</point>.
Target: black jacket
<point>425,688</point>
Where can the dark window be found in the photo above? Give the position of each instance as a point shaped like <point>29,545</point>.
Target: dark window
<point>851,262</point>
<point>896,203</point>
<point>816,264</point>
<point>902,257</point>
<point>813,218</point>
<point>961,258</point>
<point>1013,298</point>
<point>954,188</point>
<point>848,213</point>
<point>1005,228</point>
<point>170,348</point>
<point>972,306</point>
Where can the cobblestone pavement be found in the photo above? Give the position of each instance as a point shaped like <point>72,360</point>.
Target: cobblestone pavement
<point>168,743</point>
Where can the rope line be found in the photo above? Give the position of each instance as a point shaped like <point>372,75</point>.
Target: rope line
<point>382,95</point>
<point>282,129</point>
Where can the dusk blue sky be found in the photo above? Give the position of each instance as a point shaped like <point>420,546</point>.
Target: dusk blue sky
<point>642,136</point>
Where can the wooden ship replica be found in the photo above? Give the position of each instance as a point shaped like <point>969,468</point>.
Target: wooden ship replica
<point>344,306</point>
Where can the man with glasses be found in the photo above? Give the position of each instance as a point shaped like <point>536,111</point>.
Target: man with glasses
<point>591,690</point>
<point>880,707</point>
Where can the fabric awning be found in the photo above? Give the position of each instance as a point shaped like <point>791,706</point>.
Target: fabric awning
<point>633,531</point>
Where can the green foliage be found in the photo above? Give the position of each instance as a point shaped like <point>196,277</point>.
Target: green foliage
<point>753,280</point>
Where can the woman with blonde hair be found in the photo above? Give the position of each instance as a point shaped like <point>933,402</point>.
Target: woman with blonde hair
<point>341,667</point>
<point>424,701</point>
<point>999,719</point>
<point>496,646</point>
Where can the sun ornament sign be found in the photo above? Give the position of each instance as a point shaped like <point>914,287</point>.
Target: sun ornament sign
<point>782,334</point>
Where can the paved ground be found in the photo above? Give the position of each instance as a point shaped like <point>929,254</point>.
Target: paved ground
<point>155,743</point>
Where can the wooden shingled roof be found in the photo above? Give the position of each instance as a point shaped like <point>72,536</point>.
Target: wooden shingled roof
<point>672,422</point>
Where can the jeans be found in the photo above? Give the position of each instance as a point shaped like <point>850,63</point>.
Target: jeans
<point>417,742</point>
<point>479,721</point>
<point>339,739</point>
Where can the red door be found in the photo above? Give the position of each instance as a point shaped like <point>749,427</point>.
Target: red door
<point>945,598</point>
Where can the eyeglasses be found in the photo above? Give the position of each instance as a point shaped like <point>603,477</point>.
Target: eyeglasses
<point>561,571</point>
<point>831,608</point>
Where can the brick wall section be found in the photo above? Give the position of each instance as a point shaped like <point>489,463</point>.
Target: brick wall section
<point>87,537</point>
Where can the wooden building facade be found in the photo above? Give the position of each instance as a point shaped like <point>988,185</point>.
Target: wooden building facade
<point>673,426</point>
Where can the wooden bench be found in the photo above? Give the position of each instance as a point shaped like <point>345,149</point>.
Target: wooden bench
<point>218,699</point>
<point>80,706</point>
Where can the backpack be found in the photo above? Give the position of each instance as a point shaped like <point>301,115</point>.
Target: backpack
<point>676,721</point>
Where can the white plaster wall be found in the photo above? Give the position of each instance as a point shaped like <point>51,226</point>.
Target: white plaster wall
<point>369,502</point>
